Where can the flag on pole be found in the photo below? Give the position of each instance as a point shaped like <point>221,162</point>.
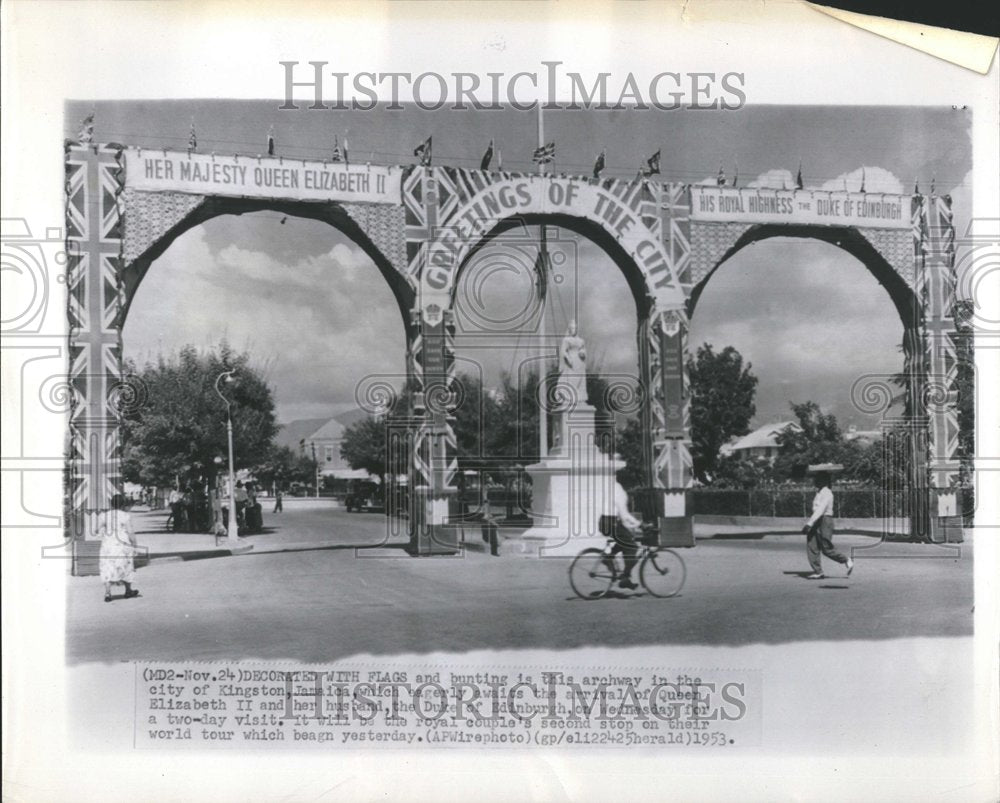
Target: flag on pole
<point>933,182</point>
<point>499,159</point>
<point>192,138</point>
<point>736,173</point>
<point>916,187</point>
<point>652,165</point>
<point>347,155</point>
<point>544,153</point>
<point>270,141</point>
<point>862,179</point>
<point>599,165</point>
<point>487,157</point>
<point>337,155</point>
<point>86,134</point>
<point>798,178</point>
<point>423,150</point>
<point>721,178</point>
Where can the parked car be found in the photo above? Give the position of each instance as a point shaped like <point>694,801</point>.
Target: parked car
<point>364,495</point>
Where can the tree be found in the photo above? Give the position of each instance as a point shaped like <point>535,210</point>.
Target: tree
<point>178,432</point>
<point>722,403</point>
<point>364,445</point>
<point>628,445</point>
<point>733,471</point>
<point>818,439</point>
<point>284,465</point>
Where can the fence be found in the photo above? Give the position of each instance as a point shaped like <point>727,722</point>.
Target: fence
<point>855,503</point>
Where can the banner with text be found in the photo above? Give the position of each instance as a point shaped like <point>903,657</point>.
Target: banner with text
<point>267,177</point>
<point>871,210</point>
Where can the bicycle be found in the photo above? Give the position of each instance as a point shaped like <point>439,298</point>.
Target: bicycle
<point>661,571</point>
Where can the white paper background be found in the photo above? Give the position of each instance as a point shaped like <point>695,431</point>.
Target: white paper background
<point>789,53</point>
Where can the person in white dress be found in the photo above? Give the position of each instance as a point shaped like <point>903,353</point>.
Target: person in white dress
<point>117,559</point>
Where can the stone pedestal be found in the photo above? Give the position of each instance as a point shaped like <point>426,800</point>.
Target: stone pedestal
<point>571,489</point>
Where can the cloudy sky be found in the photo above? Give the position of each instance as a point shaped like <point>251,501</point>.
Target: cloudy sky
<point>318,317</point>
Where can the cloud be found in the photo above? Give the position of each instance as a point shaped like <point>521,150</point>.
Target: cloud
<point>876,179</point>
<point>319,324</point>
<point>774,180</point>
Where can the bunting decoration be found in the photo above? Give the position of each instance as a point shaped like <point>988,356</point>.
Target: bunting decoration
<point>499,159</point>
<point>544,154</point>
<point>798,177</point>
<point>542,276</point>
<point>599,165</point>
<point>736,172</point>
<point>423,152</point>
<point>347,155</point>
<point>270,141</point>
<point>652,165</point>
<point>862,179</point>
<point>487,157</point>
<point>192,139</point>
<point>337,155</point>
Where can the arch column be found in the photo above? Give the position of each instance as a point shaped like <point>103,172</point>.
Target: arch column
<point>662,336</point>
<point>434,448</point>
<point>937,404</point>
<point>94,181</point>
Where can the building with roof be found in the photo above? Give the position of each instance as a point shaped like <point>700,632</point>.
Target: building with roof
<point>762,442</point>
<point>321,438</point>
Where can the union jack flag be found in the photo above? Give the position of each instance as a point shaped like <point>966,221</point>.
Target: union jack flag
<point>544,153</point>
<point>599,165</point>
<point>423,150</point>
<point>652,165</point>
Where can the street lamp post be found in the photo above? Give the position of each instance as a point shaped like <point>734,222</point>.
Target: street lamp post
<point>233,529</point>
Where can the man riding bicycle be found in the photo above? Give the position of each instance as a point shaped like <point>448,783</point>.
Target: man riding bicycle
<point>626,533</point>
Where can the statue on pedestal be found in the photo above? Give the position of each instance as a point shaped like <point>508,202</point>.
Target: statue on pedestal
<point>573,365</point>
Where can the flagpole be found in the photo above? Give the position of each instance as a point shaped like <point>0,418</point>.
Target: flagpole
<point>543,423</point>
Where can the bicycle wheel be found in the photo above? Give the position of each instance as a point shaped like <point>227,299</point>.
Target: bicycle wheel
<point>662,573</point>
<point>591,574</point>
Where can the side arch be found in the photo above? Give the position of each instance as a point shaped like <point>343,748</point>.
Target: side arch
<point>210,207</point>
<point>846,238</point>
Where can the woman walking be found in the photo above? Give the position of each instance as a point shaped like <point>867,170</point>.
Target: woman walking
<point>117,548</point>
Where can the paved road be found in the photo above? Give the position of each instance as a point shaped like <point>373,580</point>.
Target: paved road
<point>325,599</point>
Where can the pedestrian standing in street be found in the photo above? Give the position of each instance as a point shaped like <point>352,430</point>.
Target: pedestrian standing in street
<point>224,507</point>
<point>278,507</point>
<point>175,500</point>
<point>117,557</point>
<point>819,529</point>
<point>241,499</point>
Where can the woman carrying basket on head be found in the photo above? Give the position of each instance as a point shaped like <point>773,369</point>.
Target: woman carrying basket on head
<point>117,548</point>
<point>819,528</point>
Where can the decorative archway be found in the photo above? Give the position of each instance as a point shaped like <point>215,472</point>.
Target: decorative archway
<point>125,205</point>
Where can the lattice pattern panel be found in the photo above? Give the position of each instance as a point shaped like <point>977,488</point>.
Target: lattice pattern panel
<point>385,225</point>
<point>896,247</point>
<point>709,244</point>
<point>150,215</point>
